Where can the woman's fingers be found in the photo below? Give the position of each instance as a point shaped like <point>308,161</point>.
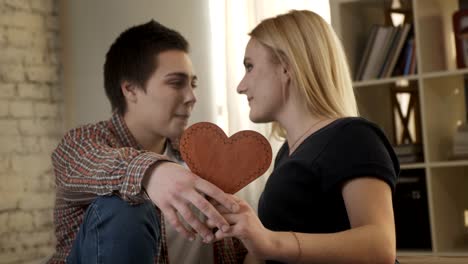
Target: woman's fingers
<point>220,235</point>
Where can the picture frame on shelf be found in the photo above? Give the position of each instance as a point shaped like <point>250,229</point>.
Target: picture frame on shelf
<point>406,116</point>
<point>460,31</point>
<point>407,124</point>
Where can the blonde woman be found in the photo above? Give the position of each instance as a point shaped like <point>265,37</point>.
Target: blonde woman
<point>329,198</point>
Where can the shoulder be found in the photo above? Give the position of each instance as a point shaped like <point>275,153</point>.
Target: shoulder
<point>89,131</point>
<point>342,134</point>
<point>281,152</point>
<point>358,125</point>
<point>352,131</point>
<point>359,148</point>
<point>357,135</point>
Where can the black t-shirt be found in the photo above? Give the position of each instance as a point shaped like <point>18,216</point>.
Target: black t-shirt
<point>303,194</point>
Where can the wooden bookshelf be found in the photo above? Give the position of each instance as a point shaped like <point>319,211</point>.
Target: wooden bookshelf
<point>441,89</point>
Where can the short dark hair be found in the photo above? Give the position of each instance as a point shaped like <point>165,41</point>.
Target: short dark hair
<point>132,57</point>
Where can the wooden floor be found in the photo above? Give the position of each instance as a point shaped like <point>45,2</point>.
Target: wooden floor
<point>432,260</point>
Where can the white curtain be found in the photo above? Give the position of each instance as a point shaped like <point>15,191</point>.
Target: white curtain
<point>230,22</point>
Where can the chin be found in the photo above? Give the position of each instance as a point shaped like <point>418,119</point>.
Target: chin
<point>258,118</point>
<point>177,130</point>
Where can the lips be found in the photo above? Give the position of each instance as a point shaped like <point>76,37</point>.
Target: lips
<point>183,116</point>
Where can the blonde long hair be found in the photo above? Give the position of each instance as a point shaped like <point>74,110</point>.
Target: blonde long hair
<point>307,44</point>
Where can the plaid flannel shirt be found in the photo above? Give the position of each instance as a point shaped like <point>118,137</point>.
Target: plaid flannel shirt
<point>105,159</point>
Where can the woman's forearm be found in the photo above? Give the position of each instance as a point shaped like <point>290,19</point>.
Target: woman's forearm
<point>366,244</point>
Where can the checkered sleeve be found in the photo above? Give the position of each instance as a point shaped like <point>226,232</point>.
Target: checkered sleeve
<point>89,161</point>
<point>229,251</point>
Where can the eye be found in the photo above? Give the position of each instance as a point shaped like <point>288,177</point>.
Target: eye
<point>194,84</point>
<point>178,84</point>
<point>248,67</point>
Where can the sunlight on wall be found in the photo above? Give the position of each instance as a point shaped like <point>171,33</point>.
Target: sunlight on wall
<point>218,75</point>
<point>230,23</point>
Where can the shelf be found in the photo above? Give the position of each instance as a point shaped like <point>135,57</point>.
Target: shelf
<point>408,166</point>
<point>434,34</point>
<point>443,108</point>
<point>447,73</point>
<point>391,80</point>
<point>450,201</point>
<point>434,259</point>
<point>431,75</point>
<point>414,253</point>
<point>441,91</point>
<point>454,254</point>
<point>444,164</point>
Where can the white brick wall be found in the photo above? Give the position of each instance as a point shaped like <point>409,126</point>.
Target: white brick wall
<point>12,73</point>
<point>18,37</point>
<point>7,90</point>
<point>33,91</point>
<point>21,109</point>
<point>3,108</point>
<point>30,127</point>
<point>18,4</point>
<point>8,127</point>
<point>23,19</point>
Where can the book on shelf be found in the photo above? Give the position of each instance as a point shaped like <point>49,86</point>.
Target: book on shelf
<point>404,61</point>
<point>412,158</point>
<point>408,149</point>
<point>365,57</point>
<point>459,157</point>
<point>408,57</point>
<point>409,153</point>
<point>375,57</point>
<point>412,67</point>
<point>460,141</point>
<point>396,50</point>
<point>388,52</point>
<point>383,51</point>
<point>463,128</point>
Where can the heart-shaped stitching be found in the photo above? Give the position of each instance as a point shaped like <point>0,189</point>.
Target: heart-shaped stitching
<point>229,163</point>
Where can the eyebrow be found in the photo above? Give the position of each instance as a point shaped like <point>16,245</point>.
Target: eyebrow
<point>181,75</point>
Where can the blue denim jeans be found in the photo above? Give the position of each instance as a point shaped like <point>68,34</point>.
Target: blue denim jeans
<point>114,231</point>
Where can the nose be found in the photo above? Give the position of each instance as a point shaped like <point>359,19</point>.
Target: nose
<point>190,97</point>
<point>241,87</point>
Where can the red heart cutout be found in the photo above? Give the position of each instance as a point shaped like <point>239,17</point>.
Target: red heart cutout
<point>229,163</point>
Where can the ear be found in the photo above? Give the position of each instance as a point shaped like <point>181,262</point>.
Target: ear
<point>129,91</point>
<point>285,78</point>
<point>285,75</point>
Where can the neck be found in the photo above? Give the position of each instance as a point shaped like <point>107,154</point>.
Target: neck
<point>148,140</point>
<point>299,124</point>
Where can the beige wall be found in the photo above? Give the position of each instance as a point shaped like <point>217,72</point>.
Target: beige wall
<point>30,127</point>
<point>89,28</point>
